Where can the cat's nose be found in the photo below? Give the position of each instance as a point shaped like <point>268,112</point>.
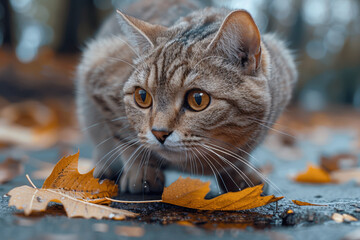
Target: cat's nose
<point>161,135</point>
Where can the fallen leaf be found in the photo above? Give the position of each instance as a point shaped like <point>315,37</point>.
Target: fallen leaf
<point>300,203</point>
<point>343,176</point>
<point>190,193</point>
<point>128,231</point>
<point>32,200</point>
<point>100,227</point>
<point>65,176</point>
<point>10,169</point>
<point>339,218</point>
<point>77,192</point>
<point>28,124</point>
<point>313,174</point>
<point>339,161</point>
<point>349,218</point>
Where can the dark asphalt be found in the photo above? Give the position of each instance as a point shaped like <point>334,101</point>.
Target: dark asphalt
<point>159,221</point>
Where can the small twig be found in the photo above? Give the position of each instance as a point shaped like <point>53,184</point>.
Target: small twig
<point>32,184</point>
<point>124,201</point>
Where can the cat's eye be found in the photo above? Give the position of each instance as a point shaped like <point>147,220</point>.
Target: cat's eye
<point>142,98</point>
<point>197,100</point>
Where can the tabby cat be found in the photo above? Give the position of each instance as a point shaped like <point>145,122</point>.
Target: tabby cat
<point>185,87</point>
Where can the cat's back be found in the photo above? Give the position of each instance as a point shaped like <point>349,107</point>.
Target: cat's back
<point>160,12</point>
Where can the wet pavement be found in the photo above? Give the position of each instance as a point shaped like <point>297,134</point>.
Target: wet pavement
<point>162,221</point>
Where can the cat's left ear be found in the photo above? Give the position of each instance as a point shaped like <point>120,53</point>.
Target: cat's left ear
<point>239,38</point>
<point>141,34</point>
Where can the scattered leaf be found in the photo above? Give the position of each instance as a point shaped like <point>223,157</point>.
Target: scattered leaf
<point>10,169</point>
<point>343,176</point>
<point>349,218</point>
<point>33,200</point>
<point>339,218</point>
<point>66,177</point>
<point>129,231</point>
<point>190,193</point>
<point>300,203</point>
<point>77,192</point>
<point>339,161</point>
<point>100,227</point>
<point>313,174</point>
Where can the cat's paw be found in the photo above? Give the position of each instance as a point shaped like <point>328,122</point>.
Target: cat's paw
<point>148,180</point>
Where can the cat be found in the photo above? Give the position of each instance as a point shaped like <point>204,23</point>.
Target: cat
<point>173,85</point>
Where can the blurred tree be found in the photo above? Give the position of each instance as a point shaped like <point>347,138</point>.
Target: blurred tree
<point>74,26</point>
<point>6,23</point>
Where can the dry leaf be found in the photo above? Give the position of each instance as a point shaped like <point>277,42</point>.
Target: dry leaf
<point>74,190</point>
<point>343,176</point>
<point>28,124</point>
<point>313,174</point>
<point>32,199</point>
<point>66,177</point>
<point>300,203</point>
<point>128,231</point>
<point>10,169</point>
<point>339,218</point>
<point>349,218</point>
<point>339,161</point>
<point>190,193</point>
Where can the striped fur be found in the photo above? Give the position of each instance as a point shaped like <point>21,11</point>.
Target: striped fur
<point>244,104</point>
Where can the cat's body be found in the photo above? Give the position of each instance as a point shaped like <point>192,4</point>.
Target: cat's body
<point>142,89</point>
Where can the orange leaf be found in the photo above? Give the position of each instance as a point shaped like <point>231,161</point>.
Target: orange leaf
<point>66,176</point>
<point>313,174</point>
<point>77,192</point>
<point>300,203</point>
<point>190,193</point>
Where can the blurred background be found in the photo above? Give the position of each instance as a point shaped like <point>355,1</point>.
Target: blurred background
<point>41,41</point>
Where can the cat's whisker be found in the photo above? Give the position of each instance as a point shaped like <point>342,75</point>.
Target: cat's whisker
<point>126,62</point>
<point>122,146</point>
<point>232,165</point>
<point>127,44</point>
<point>249,165</point>
<point>212,166</point>
<point>231,178</point>
<point>275,130</point>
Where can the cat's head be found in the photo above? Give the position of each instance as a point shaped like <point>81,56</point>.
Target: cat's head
<point>200,82</point>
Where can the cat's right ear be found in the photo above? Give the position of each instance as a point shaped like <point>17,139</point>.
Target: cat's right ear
<point>239,38</point>
<point>141,34</point>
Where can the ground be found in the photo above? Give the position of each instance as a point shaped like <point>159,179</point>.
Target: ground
<point>161,221</point>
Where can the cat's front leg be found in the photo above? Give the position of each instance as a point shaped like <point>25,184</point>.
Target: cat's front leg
<point>142,176</point>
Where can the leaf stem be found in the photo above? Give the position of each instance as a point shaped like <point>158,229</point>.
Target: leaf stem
<point>124,201</point>
<point>31,182</point>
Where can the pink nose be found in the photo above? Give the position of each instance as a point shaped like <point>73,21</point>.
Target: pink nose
<point>161,135</point>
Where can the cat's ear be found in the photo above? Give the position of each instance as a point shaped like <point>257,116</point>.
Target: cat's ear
<point>142,35</point>
<point>239,38</point>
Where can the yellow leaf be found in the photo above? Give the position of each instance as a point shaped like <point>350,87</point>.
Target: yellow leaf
<point>300,203</point>
<point>313,174</point>
<point>190,193</point>
<point>32,199</point>
<point>65,176</point>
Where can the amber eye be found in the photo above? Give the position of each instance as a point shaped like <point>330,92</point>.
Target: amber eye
<point>198,100</point>
<point>142,98</point>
